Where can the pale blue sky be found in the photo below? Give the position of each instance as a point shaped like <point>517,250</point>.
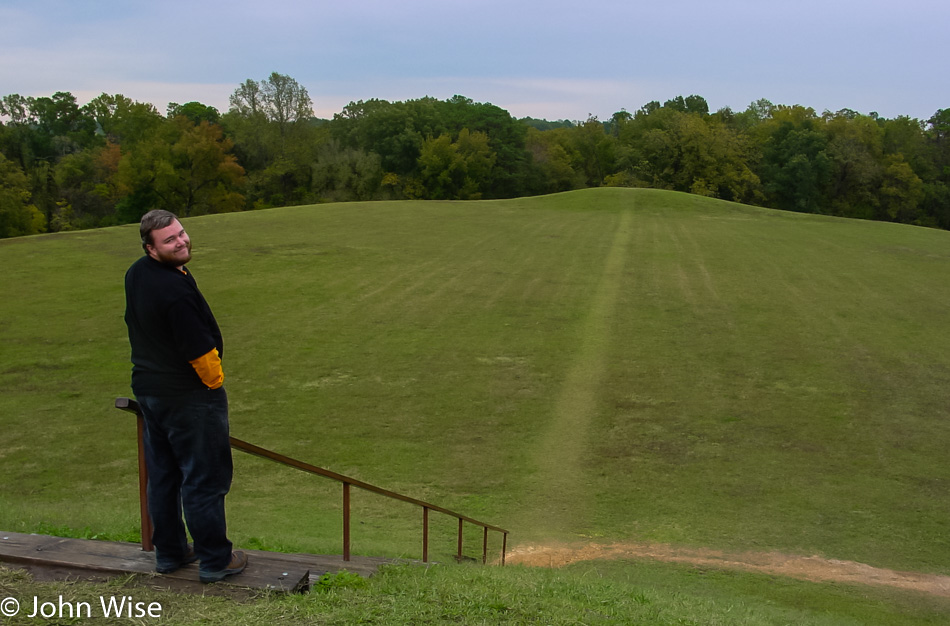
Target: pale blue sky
<point>554,60</point>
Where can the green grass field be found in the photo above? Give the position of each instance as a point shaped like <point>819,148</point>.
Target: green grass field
<point>603,365</point>
<point>590,593</point>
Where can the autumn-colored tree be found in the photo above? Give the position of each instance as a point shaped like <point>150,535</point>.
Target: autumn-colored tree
<point>182,167</point>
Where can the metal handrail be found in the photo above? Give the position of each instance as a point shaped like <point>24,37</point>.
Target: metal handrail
<point>131,406</point>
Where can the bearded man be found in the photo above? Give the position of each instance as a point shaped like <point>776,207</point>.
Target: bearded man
<point>177,379</point>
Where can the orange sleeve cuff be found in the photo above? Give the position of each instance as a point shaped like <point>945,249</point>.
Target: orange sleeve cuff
<point>209,369</point>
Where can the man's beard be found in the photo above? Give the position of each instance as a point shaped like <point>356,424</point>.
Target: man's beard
<point>175,259</point>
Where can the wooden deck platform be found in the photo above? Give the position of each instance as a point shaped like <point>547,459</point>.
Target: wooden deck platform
<point>58,558</point>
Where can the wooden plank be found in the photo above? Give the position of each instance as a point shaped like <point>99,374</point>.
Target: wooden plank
<point>88,558</point>
<point>365,566</point>
<point>103,556</point>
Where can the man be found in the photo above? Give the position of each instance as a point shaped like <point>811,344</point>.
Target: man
<point>178,381</point>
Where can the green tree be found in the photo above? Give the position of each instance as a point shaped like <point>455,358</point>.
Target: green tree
<point>442,168</point>
<point>396,132</point>
<point>475,148</point>
<point>285,100</point>
<point>855,148</point>
<point>342,173</point>
<point>795,167</point>
<point>41,131</point>
<point>756,113</point>
<point>550,161</point>
<point>936,202</point>
<point>271,124</point>
<point>455,170</point>
<point>86,181</point>
<point>506,139</point>
<point>16,142</point>
<point>388,129</point>
<point>278,99</point>
<point>18,216</point>
<point>17,108</point>
<point>716,160</point>
<point>592,151</point>
<point>901,192</point>
<point>645,152</point>
<point>122,120</point>
<point>904,135</point>
<point>938,135</point>
<point>195,111</point>
<point>248,99</point>
<point>61,125</point>
<point>690,104</point>
<point>670,148</point>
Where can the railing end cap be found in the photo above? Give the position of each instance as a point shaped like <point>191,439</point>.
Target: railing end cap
<point>127,404</point>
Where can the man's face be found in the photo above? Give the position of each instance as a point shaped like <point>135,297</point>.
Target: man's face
<point>170,245</point>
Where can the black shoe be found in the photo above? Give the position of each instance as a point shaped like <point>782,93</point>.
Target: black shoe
<point>169,567</point>
<point>236,566</point>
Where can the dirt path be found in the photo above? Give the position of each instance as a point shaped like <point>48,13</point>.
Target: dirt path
<point>810,568</point>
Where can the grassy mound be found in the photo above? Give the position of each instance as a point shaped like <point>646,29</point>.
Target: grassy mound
<point>608,364</point>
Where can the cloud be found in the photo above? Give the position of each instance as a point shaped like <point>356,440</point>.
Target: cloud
<point>551,59</point>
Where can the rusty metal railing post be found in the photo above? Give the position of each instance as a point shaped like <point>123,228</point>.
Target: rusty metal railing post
<point>346,521</point>
<point>485,546</point>
<point>132,406</point>
<point>147,545</point>
<point>460,541</point>
<point>425,534</point>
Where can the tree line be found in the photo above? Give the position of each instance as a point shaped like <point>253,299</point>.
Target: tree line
<point>65,166</point>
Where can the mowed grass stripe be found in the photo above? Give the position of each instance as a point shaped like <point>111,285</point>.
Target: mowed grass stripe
<point>561,496</point>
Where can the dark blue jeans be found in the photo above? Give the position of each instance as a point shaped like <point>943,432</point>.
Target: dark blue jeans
<point>188,455</point>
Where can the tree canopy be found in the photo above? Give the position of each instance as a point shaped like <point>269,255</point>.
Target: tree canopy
<point>65,166</point>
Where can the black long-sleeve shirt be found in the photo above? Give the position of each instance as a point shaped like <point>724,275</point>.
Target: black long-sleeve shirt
<point>170,324</point>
